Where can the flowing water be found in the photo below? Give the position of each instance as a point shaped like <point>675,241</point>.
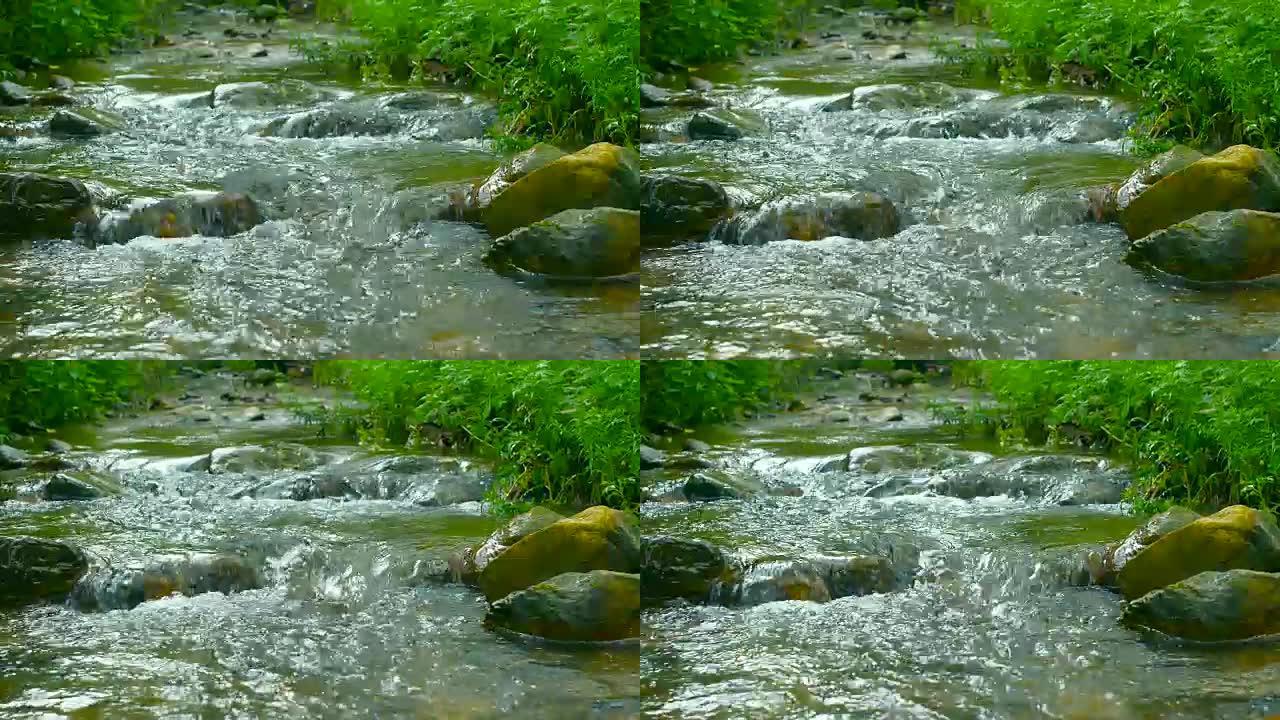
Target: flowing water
<point>994,625</point>
<point>339,547</point>
<point>347,263</point>
<point>997,258</point>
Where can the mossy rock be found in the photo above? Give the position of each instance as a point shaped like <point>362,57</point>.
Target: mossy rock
<point>1211,606</point>
<point>1214,247</point>
<point>597,606</point>
<point>200,213</point>
<point>1238,178</point>
<point>601,175</point>
<point>1235,538</point>
<point>598,538</point>
<point>1119,555</point>
<point>34,205</point>
<point>596,243</point>
<point>33,569</point>
<point>508,173</point>
<point>467,565</point>
<point>676,208</point>
<point>674,568</point>
<point>864,216</point>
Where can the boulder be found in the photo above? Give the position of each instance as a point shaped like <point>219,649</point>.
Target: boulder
<point>712,126</point>
<point>11,93</point>
<point>1211,606</point>
<point>511,171</point>
<point>1214,247</point>
<point>817,579</point>
<point>257,458</point>
<point>62,487</point>
<point>598,538</point>
<point>189,575</point>
<point>677,208</point>
<point>1235,538</point>
<point>514,531</point>
<point>1158,526</point>
<point>672,568</point>
<point>601,175</point>
<point>593,243</point>
<point>85,123</point>
<point>1238,178</point>
<point>1155,170</point>
<point>36,569</point>
<point>209,214</point>
<point>336,121</point>
<point>718,485</point>
<point>33,205</point>
<point>865,216</point>
<point>596,606</point>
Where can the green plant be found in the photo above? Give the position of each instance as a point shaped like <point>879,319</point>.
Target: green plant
<point>563,432</point>
<point>50,30</point>
<point>43,394</point>
<point>1197,432</point>
<point>686,393</point>
<point>561,70</point>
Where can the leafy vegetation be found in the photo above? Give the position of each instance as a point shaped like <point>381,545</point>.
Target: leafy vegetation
<point>52,30</point>
<point>697,31</point>
<point>1197,432</point>
<point>1206,72</point>
<point>564,432</point>
<point>686,393</point>
<point>562,70</point>
<point>38,394</point>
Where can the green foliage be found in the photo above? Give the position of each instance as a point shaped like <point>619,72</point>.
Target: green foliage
<point>687,393</point>
<point>564,432</point>
<point>1207,71</point>
<point>38,393</point>
<point>51,30</point>
<point>562,70</point>
<point>1197,432</point>
<point>697,31</point>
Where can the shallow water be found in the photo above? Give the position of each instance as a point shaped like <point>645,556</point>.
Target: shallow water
<point>991,628</point>
<point>996,259</point>
<point>344,266</point>
<point>344,624</point>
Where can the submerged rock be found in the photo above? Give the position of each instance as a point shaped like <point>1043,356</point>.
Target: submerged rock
<point>598,538</point>
<point>85,122</point>
<point>34,206</point>
<point>1238,178</point>
<point>601,175</point>
<point>817,579</point>
<point>189,575</point>
<point>595,243</point>
<point>596,606</point>
<point>209,214</point>
<point>865,216</point>
<point>678,208</point>
<point>1235,538</point>
<point>674,568</point>
<point>1211,606</point>
<point>255,458</point>
<point>1214,247</point>
<point>332,122</point>
<point>33,569</point>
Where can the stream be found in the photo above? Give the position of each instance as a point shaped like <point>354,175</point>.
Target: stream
<point>996,256</point>
<point>990,621</point>
<point>328,554</point>
<point>348,261</point>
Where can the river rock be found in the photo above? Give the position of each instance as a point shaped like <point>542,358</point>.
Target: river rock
<point>1155,170</point>
<point>865,216</point>
<point>651,458</point>
<point>595,243</point>
<point>717,485</point>
<point>189,575</point>
<point>53,99</point>
<point>817,579</point>
<point>299,488</point>
<point>672,568</point>
<point>85,122</point>
<point>34,569</point>
<point>257,95</point>
<point>596,606</point>
<point>1214,247</point>
<point>63,487</point>
<point>511,171</point>
<point>11,93</point>
<point>257,458</point>
<point>677,208</point>
<point>598,538</point>
<point>519,527</point>
<point>601,175</point>
<point>1238,178</point>
<point>1113,560</point>
<point>58,447</point>
<point>1235,538</point>
<point>652,96</point>
<point>12,458</point>
<point>61,82</point>
<point>209,214</point>
<point>332,122</point>
<point>717,125</point>
<point>1211,606</point>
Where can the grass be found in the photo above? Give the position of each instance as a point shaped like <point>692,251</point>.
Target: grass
<point>562,432</point>
<point>563,71</point>
<point>1204,433</point>
<point>39,394</point>
<point>1207,72</point>
<point>53,30</point>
